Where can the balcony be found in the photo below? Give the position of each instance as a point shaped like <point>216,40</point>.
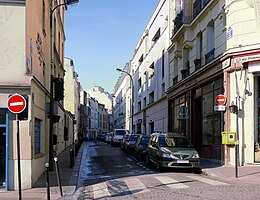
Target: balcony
<point>198,7</point>
<point>197,63</point>
<point>209,56</point>
<point>179,20</point>
<point>175,80</point>
<point>186,71</point>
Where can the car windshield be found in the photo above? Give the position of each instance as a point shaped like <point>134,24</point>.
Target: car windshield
<point>144,140</point>
<point>120,132</point>
<point>134,137</point>
<point>174,142</point>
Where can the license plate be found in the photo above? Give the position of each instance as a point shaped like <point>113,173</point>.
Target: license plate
<point>182,161</point>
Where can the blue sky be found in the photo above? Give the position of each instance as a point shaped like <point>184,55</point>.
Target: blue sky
<point>101,35</point>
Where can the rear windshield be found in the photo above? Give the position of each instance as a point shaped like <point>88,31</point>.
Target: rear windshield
<point>144,140</point>
<point>174,142</point>
<point>120,132</point>
<point>134,137</point>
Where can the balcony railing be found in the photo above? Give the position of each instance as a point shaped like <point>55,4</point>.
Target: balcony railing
<point>175,80</point>
<point>197,7</point>
<point>179,20</point>
<point>197,63</point>
<point>186,71</point>
<point>209,56</point>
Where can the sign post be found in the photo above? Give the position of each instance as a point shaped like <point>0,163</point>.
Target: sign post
<point>16,104</point>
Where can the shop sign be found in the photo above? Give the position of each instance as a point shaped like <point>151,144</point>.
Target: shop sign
<point>247,58</point>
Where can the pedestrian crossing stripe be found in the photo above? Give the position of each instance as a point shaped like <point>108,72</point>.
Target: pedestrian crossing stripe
<point>171,183</point>
<point>100,190</point>
<point>206,180</point>
<point>135,186</point>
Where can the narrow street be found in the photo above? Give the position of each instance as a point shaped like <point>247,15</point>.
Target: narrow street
<point>107,172</point>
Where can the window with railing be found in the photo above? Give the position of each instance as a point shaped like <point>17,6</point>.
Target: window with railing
<point>175,80</point>
<point>209,56</point>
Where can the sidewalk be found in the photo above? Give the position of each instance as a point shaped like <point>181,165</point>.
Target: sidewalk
<point>246,174</point>
<point>68,179</point>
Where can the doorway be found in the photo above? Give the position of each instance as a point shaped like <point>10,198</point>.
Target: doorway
<point>3,150</point>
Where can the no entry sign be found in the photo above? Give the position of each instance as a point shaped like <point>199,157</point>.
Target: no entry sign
<point>16,103</point>
<point>221,99</point>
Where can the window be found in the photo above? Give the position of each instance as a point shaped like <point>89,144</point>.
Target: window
<point>144,101</point>
<point>139,83</point>
<point>156,35</point>
<point>43,16</point>
<point>163,89</point>
<point>37,136</point>
<point>151,70</point>
<point>210,36</point>
<point>162,63</point>
<point>141,59</point>
<point>139,106</point>
<point>151,97</point>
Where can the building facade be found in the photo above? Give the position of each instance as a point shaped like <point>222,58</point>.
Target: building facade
<point>36,59</point>
<point>72,95</point>
<point>149,70</point>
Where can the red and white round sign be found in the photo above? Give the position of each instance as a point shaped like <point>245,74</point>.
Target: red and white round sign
<point>221,100</point>
<point>16,103</point>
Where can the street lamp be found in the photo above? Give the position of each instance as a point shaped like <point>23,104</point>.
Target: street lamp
<point>132,86</point>
<point>52,120</point>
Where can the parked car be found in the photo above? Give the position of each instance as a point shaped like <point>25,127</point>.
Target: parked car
<point>141,146</point>
<point>118,136</point>
<point>108,137</point>
<point>130,142</point>
<point>172,150</point>
<point>123,142</point>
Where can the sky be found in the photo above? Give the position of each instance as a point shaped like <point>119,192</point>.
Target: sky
<point>101,35</point>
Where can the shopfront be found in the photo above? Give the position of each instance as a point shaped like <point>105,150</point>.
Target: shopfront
<point>192,114</point>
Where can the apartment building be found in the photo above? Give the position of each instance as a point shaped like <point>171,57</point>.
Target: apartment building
<point>32,65</point>
<point>101,96</point>
<point>92,117</point>
<point>211,53</point>
<point>72,94</point>
<point>149,66</point>
<point>122,101</point>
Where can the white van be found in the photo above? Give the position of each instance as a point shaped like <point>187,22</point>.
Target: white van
<point>118,136</point>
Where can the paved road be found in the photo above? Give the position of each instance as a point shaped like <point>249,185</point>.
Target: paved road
<point>108,173</point>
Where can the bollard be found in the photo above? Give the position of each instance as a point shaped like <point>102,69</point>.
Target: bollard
<point>58,174</point>
<point>47,180</point>
<point>71,158</point>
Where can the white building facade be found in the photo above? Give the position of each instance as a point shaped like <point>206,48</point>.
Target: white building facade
<point>149,66</point>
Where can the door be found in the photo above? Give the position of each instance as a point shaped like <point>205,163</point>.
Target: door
<point>3,150</point>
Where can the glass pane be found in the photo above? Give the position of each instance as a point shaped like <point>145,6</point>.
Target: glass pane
<point>2,117</point>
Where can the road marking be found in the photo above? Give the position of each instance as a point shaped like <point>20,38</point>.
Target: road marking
<point>171,183</point>
<point>129,159</point>
<point>136,186</point>
<point>206,180</point>
<point>100,190</point>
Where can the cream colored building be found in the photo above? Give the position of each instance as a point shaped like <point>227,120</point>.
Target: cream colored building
<point>26,69</point>
<point>72,94</point>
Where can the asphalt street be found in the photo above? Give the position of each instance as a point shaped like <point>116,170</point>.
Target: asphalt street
<point>107,172</point>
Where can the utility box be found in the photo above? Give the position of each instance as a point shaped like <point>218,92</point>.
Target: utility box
<point>228,138</point>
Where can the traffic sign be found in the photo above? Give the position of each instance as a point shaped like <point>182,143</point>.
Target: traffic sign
<point>221,99</point>
<point>16,103</point>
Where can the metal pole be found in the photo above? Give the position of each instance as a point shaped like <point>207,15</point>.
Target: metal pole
<point>47,180</point>
<point>58,174</point>
<point>18,158</point>
<point>237,143</point>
